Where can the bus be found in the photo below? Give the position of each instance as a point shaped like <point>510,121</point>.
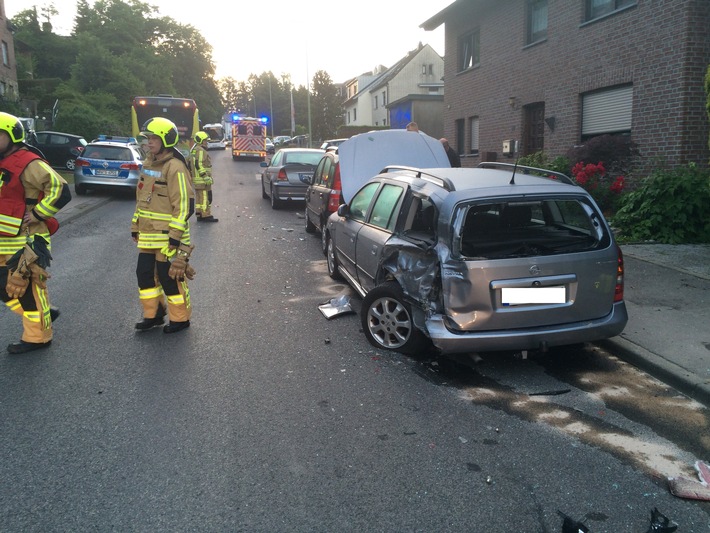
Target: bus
<point>248,137</point>
<point>181,111</point>
<point>217,140</point>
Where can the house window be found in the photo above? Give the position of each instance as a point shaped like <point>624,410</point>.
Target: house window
<point>376,102</point>
<point>355,115</point>
<point>470,50</point>
<point>348,117</point>
<point>537,21</point>
<point>5,54</point>
<point>384,101</point>
<point>474,136</point>
<point>607,111</point>
<point>460,136</point>
<point>598,8</point>
<point>431,69</point>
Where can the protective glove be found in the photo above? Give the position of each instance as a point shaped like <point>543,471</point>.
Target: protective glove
<point>178,266</point>
<point>190,272</point>
<point>39,275</point>
<point>16,284</point>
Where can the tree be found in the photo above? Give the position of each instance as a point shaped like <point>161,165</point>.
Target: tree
<point>326,108</point>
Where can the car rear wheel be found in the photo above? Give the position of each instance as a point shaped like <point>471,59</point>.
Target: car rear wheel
<point>331,260</point>
<point>323,240</point>
<point>387,320</point>
<point>70,164</point>
<point>79,189</point>
<point>275,203</point>
<point>310,226</point>
<point>263,190</point>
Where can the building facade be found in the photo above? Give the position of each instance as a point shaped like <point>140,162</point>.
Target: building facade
<point>8,67</point>
<point>553,73</point>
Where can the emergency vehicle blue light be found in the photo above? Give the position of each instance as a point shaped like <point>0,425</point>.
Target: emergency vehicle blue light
<point>264,120</point>
<point>236,117</point>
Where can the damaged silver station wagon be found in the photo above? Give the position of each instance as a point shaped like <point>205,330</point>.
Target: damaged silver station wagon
<point>482,259</point>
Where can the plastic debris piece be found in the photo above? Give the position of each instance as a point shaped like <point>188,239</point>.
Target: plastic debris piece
<point>683,487</point>
<point>336,306</point>
<point>551,392</point>
<point>660,523</point>
<point>570,525</point>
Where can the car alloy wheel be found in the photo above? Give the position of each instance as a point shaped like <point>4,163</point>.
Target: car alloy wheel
<point>274,201</point>
<point>387,320</point>
<point>323,240</point>
<point>70,164</point>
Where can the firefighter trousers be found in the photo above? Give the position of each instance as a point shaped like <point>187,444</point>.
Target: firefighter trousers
<point>155,286</point>
<point>33,307</point>
<point>203,201</point>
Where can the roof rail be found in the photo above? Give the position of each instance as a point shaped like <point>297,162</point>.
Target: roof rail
<point>446,183</point>
<point>526,170</point>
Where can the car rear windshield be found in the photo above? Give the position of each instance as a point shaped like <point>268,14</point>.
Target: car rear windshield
<point>305,158</point>
<point>108,153</point>
<point>532,228</point>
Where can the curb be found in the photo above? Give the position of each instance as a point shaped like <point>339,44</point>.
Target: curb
<point>659,367</point>
<point>72,212</point>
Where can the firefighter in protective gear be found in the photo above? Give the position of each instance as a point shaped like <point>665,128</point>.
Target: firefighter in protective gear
<point>202,178</point>
<point>31,193</point>
<point>164,203</point>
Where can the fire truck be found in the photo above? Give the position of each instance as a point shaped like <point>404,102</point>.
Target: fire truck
<point>248,137</point>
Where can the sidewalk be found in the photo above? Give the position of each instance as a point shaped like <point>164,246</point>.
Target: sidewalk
<point>667,294</point>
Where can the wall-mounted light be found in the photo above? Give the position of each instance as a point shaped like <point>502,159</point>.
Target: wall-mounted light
<point>513,102</point>
<point>550,121</point>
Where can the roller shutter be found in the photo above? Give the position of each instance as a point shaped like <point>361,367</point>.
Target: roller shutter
<point>607,111</point>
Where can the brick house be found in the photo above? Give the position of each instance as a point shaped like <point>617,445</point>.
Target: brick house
<point>8,67</point>
<point>553,73</point>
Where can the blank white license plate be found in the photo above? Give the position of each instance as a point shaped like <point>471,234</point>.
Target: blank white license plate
<point>109,173</point>
<point>532,295</point>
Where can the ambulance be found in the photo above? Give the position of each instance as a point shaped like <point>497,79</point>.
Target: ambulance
<point>248,137</point>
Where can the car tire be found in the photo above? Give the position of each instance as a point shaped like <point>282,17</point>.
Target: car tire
<point>80,190</point>
<point>275,203</point>
<point>263,190</point>
<point>70,164</point>
<point>331,260</point>
<point>387,321</point>
<point>310,226</point>
<point>323,240</point>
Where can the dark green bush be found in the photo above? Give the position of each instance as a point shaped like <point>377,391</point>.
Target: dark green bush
<point>617,152</point>
<point>670,206</point>
<point>541,160</point>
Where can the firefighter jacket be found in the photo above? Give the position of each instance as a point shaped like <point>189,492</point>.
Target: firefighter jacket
<point>164,201</point>
<point>202,166</point>
<point>28,183</point>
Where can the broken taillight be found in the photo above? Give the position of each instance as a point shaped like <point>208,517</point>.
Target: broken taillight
<point>619,288</point>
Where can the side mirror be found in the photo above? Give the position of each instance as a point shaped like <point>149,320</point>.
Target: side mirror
<point>343,210</point>
<point>263,164</point>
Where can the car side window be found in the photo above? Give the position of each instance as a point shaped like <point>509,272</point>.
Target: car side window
<point>276,161</point>
<point>318,174</point>
<point>59,140</point>
<point>383,212</point>
<point>361,201</point>
<point>328,173</point>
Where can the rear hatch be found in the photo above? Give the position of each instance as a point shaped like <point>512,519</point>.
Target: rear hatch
<point>529,262</point>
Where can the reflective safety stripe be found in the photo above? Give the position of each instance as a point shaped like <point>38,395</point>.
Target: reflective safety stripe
<point>166,217</point>
<point>9,245</point>
<point>147,294</point>
<point>13,305</point>
<point>178,224</point>
<point>176,299</point>
<point>32,316</point>
<point>10,225</point>
<point>43,298</point>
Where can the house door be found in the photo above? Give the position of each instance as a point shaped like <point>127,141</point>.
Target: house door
<point>534,128</point>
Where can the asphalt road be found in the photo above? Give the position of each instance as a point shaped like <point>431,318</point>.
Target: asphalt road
<point>264,416</point>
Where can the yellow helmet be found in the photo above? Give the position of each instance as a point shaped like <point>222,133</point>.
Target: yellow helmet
<point>163,128</point>
<point>201,137</point>
<point>12,125</point>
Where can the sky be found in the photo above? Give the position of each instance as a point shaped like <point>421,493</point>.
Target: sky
<point>296,37</point>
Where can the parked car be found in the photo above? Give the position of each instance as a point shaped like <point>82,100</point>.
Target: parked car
<point>373,151</point>
<point>281,140</point>
<point>270,149</point>
<point>331,143</point>
<point>478,259</point>
<point>114,163</point>
<point>287,175</point>
<point>60,149</point>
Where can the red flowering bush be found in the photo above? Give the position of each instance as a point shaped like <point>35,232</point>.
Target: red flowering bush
<point>603,188</point>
